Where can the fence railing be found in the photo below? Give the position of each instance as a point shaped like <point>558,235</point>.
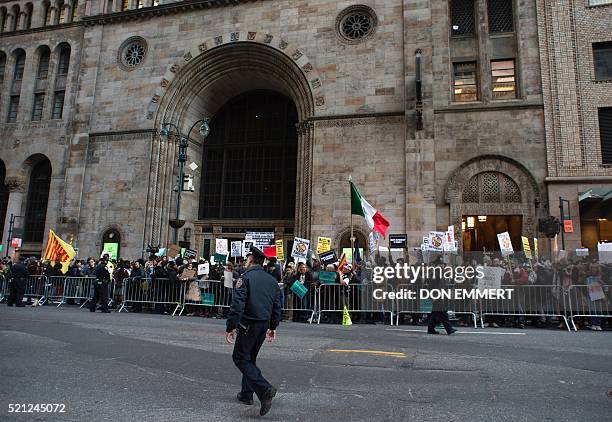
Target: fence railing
<point>152,291</point>
<point>355,298</point>
<point>206,293</point>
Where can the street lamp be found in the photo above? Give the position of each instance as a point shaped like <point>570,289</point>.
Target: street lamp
<point>164,133</point>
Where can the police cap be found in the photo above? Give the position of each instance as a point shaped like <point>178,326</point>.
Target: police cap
<point>256,252</point>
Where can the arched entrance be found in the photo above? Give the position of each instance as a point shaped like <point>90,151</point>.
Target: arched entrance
<point>492,194</point>
<point>37,201</point>
<point>251,76</point>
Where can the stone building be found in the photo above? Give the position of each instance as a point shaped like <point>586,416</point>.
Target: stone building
<point>576,49</point>
<point>435,108</point>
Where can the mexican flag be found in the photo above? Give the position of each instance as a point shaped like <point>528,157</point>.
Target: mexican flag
<point>359,206</point>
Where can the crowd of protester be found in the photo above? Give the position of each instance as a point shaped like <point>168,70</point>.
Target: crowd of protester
<point>560,275</point>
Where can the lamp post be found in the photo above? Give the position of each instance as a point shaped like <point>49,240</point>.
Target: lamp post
<point>164,133</point>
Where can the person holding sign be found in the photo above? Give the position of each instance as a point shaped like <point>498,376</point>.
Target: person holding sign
<point>254,315</point>
<point>302,277</point>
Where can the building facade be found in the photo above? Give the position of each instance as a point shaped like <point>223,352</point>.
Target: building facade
<point>435,109</point>
<point>576,49</point>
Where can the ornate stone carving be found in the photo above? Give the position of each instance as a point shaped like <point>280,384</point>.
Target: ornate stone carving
<point>307,68</point>
<point>320,101</point>
<point>15,184</point>
<point>234,36</point>
<point>297,54</point>
<point>203,47</point>
<point>251,35</point>
<point>164,82</point>
<point>187,56</point>
<point>174,68</point>
<point>268,39</point>
<point>316,83</point>
<point>219,40</point>
<point>283,44</point>
<point>155,99</point>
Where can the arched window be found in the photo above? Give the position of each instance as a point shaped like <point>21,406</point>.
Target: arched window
<point>17,17</point>
<point>4,196</point>
<point>59,91</point>
<point>2,19</point>
<point>491,187</point>
<point>74,10</point>
<point>40,86</point>
<point>38,197</point>
<point>111,242</point>
<point>62,11</point>
<point>249,159</point>
<point>28,23</point>
<point>2,67</point>
<point>64,60</point>
<point>48,14</point>
<point>125,5</point>
<point>43,63</point>
<point>20,58</point>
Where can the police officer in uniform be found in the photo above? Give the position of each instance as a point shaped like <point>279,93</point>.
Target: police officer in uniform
<point>254,315</point>
<point>19,278</point>
<point>101,285</point>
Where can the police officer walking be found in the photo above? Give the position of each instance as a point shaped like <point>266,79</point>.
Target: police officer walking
<point>19,278</point>
<point>254,315</point>
<point>101,285</point>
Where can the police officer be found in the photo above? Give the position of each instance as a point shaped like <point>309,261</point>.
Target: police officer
<point>19,278</point>
<point>438,314</point>
<point>101,285</point>
<point>254,315</point>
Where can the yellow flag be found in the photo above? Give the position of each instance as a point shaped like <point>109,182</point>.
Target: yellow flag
<point>58,251</point>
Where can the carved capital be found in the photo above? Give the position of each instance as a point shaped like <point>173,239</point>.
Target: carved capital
<point>15,184</point>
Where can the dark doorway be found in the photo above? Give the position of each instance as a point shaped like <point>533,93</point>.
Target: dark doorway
<point>249,159</point>
<point>480,232</point>
<point>38,197</point>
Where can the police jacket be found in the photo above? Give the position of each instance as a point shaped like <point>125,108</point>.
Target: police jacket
<point>101,272</point>
<point>18,270</point>
<point>256,297</point>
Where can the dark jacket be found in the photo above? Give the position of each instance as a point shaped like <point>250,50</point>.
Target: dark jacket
<point>19,270</point>
<point>256,297</point>
<point>101,272</point>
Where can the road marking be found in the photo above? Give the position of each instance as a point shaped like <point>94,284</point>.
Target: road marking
<point>462,332</point>
<point>370,352</point>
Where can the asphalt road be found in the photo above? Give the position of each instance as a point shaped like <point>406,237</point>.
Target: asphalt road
<point>140,367</point>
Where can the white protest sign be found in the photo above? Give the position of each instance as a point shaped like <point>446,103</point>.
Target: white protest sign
<point>436,241</point>
<point>605,252</point>
<point>505,244</point>
<point>236,248</point>
<point>204,269</point>
<point>300,248</point>
<point>492,278</point>
<point>246,246</point>
<point>221,246</point>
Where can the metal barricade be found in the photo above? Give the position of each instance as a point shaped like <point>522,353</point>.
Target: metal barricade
<point>36,288</point>
<point>153,291</point>
<point>528,300</point>
<point>404,305</point>
<point>357,298</point>
<point>54,290</point>
<point>589,301</point>
<point>212,294</point>
<point>3,287</point>
<point>293,303</point>
<point>77,288</point>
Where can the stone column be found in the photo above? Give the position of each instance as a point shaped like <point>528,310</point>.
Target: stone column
<point>54,15</point>
<point>17,188</point>
<point>10,20</point>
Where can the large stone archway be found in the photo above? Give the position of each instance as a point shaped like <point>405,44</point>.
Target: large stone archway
<point>199,86</point>
<point>526,205</point>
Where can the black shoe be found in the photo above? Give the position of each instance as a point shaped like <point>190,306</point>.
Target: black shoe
<point>451,331</point>
<point>433,332</point>
<point>244,399</point>
<point>266,401</point>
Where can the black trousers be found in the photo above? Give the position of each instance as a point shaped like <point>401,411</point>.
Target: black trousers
<point>245,357</point>
<point>16,291</point>
<point>100,294</point>
<point>437,317</point>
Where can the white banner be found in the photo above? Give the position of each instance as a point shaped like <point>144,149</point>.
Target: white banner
<point>236,248</point>
<point>300,248</point>
<point>505,244</point>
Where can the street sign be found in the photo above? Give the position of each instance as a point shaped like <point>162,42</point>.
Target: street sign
<point>568,226</point>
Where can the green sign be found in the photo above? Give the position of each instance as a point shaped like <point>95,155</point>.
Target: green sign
<point>208,299</point>
<point>112,249</point>
<point>327,277</point>
<point>299,289</point>
<point>220,258</point>
<point>349,254</point>
<point>426,305</point>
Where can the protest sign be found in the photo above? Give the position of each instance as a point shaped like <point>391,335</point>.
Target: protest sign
<point>246,246</point>
<point>236,248</point>
<point>327,258</point>
<point>220,258</point>
<point>505,244</point>
<point>300,248</point>
<point>280,250</point>
<point>605,253</point>
<point>595,288</point>
<point>299,289</point>
<point>399,241</point>
<point>526,247</point>
<point>535,247</point>
<point>323,244</point>
<point>173,251</point>
<point>191,253</point>
<point>582,251</point>
<point>436,241</point>
<point>260,239</point>
<point>327,277</point>
<point>204,269</point>
<point>221,246</point>
<point>492,278</point>
<point>112,249</point>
